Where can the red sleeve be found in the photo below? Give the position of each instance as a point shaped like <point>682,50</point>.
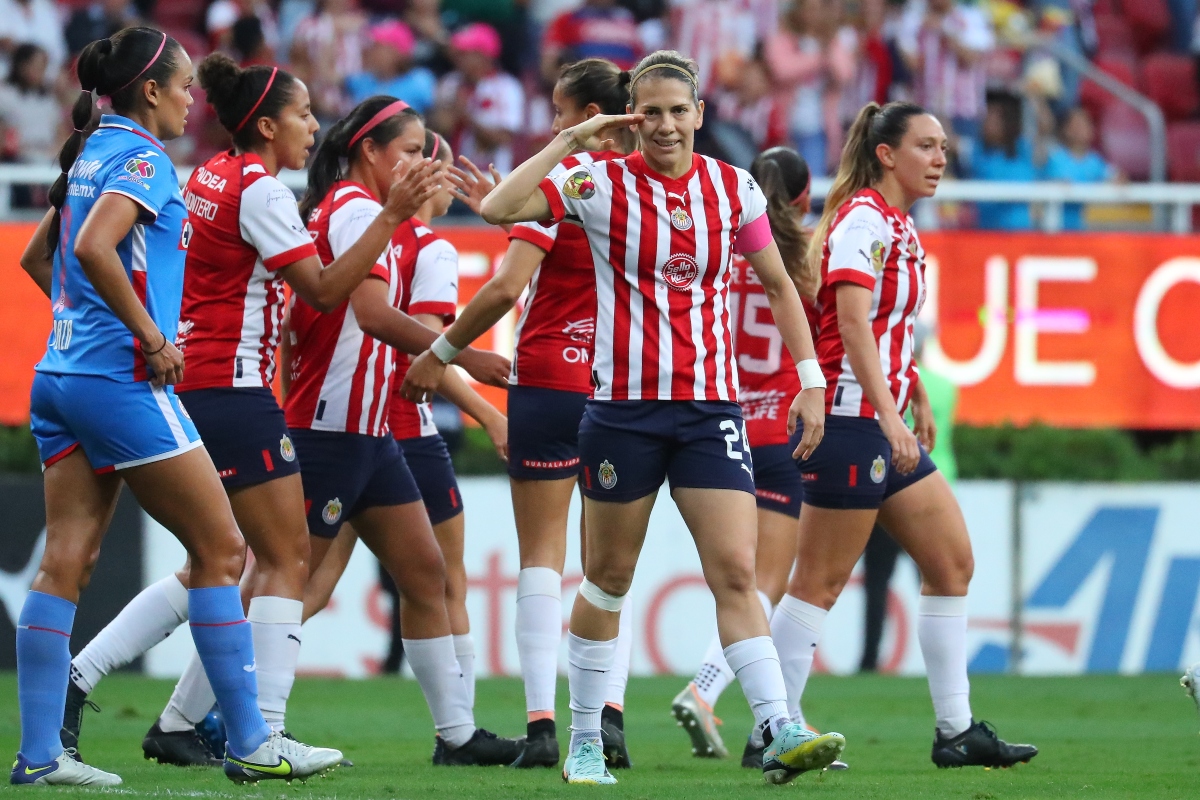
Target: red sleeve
<point>447,311</point>
<point>380,271</point>
<point>558,209</point>
<point>286,259</point>
<point>535,238</point>
<point>850,276</point>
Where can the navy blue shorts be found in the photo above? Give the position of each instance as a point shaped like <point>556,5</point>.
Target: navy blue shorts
<point>431,467</point>
<point>245,433</point>
<point>628,447</point>
<point>852,466</point>
<point>344,474</point>
<point>777,485</point>
<point>543,433</point>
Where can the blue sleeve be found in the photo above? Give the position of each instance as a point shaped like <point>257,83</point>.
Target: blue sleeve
<point>146,176</point>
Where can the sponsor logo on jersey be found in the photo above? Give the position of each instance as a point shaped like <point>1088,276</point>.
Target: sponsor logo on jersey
<point>579,185</point>
<point>877,256</point>
<point>140,167</point>
<point>332,511</point>
<point>185,235</point>
<point>80,190</point>
<point>680,220</point>
<point>146,154</point>
<point>251,667</point>
<point>607,474</point>
<point>581,330</point>
<point>680,271</point>
<point>287,449</point>
<point>84,169</point>
<point>878,469</point>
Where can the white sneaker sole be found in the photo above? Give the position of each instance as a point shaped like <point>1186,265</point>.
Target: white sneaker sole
<point>703,745</point>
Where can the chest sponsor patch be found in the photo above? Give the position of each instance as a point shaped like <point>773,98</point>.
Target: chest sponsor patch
<point>140,167</point>
<point>680,271</point>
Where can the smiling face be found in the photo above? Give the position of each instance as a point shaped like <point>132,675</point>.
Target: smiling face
<point>381,159</point>
<point>918,163</point>
<point>292,132</point>
<point>171,101</point>
<point>672,119</point>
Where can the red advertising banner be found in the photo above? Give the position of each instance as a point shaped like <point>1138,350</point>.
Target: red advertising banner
<point>1074,330</point>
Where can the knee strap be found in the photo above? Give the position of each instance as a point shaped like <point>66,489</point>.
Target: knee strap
<point>600,598</point>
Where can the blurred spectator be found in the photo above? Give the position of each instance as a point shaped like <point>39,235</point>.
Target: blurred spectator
<point>248,42</point>
<point>518,51</point>
<point>327,48</point>
<point>224,14</point>
<point>753,107</point>
<point>944,44</point>
<point>598,29</point>
<point>29,112</point>
<point>1076,162</point>
<point>424,18</point>
<point>720,35</point>
<point>479,107</point>
<point>388,69</point>
<point>36,21</point>
<point>873,79</point>
<point>811,59</point>
<point>98,20</point>
<point>651,18</point>
<point>1004,156</point>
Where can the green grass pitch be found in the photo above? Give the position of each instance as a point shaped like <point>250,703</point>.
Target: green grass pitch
<point>1100,737</point>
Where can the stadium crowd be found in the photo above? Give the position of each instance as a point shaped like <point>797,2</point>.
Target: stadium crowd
<point>773,71</point>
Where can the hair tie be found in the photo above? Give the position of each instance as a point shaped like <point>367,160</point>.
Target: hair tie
<point>149,64</point>
<point>77,130</point>
<point>637,76</point>
<point>261,97</point>
<point>387,111</point>
<point>437,142</point>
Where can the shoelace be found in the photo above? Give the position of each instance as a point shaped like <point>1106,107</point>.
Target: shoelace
<point>988,728</point>
<point>590,759</point>
<point>288,745</point>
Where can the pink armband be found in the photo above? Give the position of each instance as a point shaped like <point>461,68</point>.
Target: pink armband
<point>753,237</point>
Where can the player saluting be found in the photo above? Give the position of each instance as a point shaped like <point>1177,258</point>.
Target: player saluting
<point>662,225</point>
<point>110,255</point>
<point>870,464</point>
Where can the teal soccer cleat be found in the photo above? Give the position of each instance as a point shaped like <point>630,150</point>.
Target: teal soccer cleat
<point>586,766</point>
<point>795,750</point>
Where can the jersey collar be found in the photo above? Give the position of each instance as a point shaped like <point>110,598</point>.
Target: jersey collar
<point>638,164</point>
<point>124,123</point>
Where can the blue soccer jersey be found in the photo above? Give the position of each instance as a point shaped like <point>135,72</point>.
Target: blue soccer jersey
<point>121,157</point>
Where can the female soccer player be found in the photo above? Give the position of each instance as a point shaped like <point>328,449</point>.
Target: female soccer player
<point>662,225</point>
<point>548,388</point>
<point>111,256</point>
<point>871,465</point>
<point>337,411</point>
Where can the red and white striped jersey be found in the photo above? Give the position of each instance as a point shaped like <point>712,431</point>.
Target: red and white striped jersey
<point>341,378</point>
<point>661,248</point>
<point>875,246</point>
<point>554,332</point>
<point>427,267</point>
<point>245,228</point>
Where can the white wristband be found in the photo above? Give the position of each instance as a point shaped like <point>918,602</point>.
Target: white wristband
<point>810,374</point>
<point>444,351</point>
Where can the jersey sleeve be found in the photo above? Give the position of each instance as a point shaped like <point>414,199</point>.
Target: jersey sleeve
<point>574,192</point>
<point>858,247</point>
<point>146,177</point>
<point>538,235</point>
<point>435,281</point>
<point>349,223</point>
<point>270,222</point>
<point>754,202</point>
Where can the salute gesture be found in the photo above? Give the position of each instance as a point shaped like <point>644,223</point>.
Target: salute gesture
<point>590,134</point>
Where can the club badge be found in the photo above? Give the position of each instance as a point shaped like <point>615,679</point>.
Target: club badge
<point>680,219</point>
<point>579,185</point>
<point>878,469</point>
<point>287,449</point>
<point>332,511</point>
<point>877,256</point>
<point>607,474</point>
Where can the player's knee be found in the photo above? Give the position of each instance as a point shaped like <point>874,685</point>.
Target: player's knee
<point>67,568</point>
<point>611,578</point>
<point>221,553</point>
<point>734,576</point>
<point>950,575</point>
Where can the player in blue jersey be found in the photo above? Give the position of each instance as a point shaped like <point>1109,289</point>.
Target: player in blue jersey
<point>110,257</point>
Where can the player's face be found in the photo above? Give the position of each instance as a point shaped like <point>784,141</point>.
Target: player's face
<point>920,161</point>
<point>672,119</point>
<point>294,129</point>
<point>173,100</point>
<point>440,202</point>
<point>405,149</point>
<point>566,111</point>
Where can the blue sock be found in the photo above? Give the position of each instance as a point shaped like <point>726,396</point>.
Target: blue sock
<point>43,668</point>
<point>223,640</point>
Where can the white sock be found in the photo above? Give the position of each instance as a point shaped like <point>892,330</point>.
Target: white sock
<point>618,677</point>
<point>275,626</point>
<point>441,679</point>
<point>464,651</point>
<point>539,632</point>
<point>942,631</point>
<point>756,665</point>
<point>191,701</point>
<point>714,674</point>
<point>588,665</point>
<point>145,621</point>
<point>796,629</point>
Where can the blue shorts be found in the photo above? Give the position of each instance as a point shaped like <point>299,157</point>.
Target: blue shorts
<point>852,466</point>
<point>344,474</point>
<point>543,433</point>
<point>245,433</point>
<point>628,447</point>
<point>777,485</point>
<point>117,424</point>
<point>431,467</point>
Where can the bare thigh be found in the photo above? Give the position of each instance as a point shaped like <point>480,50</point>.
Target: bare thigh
<point>926,521</point>
<point>778,538</point>
<point>541,510</point>
<point>271,517</point>
<point>831,542</point>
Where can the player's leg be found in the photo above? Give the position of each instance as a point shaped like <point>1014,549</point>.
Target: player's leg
<point>330,557</point>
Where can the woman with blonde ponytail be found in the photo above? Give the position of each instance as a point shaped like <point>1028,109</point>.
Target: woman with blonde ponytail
<point>870,466</point>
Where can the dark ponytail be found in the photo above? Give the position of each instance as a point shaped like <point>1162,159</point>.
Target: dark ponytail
<point>327,164</point>
<point>599,81</point>
<point>117,67</point>
<point>784,177</point>
<point>242,96</point>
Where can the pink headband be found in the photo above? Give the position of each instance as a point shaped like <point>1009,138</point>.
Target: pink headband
<point>149,64</point>
<point>261,97</point>
<point>387,111</point>
<point>437,142</point>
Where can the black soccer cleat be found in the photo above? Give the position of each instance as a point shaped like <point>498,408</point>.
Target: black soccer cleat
<point>77,700</point>
<point>178,748</point>
<point>612,739</point>
<point>979,746</point>
<point>539,748</point>
<point>752,755</point>
<point>483,749</point>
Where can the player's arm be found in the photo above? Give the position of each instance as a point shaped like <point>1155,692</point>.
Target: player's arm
<point>924,424</point>
<point>105,227</point>
<point>517,198</point>
<point>37,261</point>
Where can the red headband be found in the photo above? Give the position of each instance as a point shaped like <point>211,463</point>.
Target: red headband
<point>387,111</point>
<point>437,142</point>
<point>149,64</point>
<point>261,97</point>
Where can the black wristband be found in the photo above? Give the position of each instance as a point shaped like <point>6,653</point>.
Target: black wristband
<point>159,350</point>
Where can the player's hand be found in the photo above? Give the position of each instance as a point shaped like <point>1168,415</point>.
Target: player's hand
<point>166,363</point>
<point>905,451</point>
<point>470,184</point>
<point>411,187</point>
<point>424,376</point>
<point>485,366</point>
<point>496,428</point>
<point>924,425</point>
<point>593,133</point>
<point>808,408</point>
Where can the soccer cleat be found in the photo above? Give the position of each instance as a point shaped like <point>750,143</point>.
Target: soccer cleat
<point>979,746</point>
<point>178,748</point>
<point>586,766</point>
<point>62,771</point>
<point>752,757</point>
<point>612,739</point>
<point>795,750</point>
<point>77,700</point>
<point>483,749</point>
<point>696,717</point>
<point>1191,683</point>
<point>281,758</point>
<point>539,748</point>
<point>212,730</point>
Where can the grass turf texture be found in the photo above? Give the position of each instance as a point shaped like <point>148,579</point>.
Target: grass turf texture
<point>1100,736</point>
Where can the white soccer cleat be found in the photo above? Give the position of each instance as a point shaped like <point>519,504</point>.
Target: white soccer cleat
<point>697,718</point>
<point>281,758</point>
<point>62,771</point>
<point>1191,683</point>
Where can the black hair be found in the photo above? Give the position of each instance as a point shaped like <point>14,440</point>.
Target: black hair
<point>118,68</point>
<point>665,64</point>
<point>326,167</point>
<point>233,92</point>
<point>596,80</point>
<point>1008,106</point>
<point>24,53</point>
<point>435,143</point>
<point>247,36</point>
<point>783,175</point>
